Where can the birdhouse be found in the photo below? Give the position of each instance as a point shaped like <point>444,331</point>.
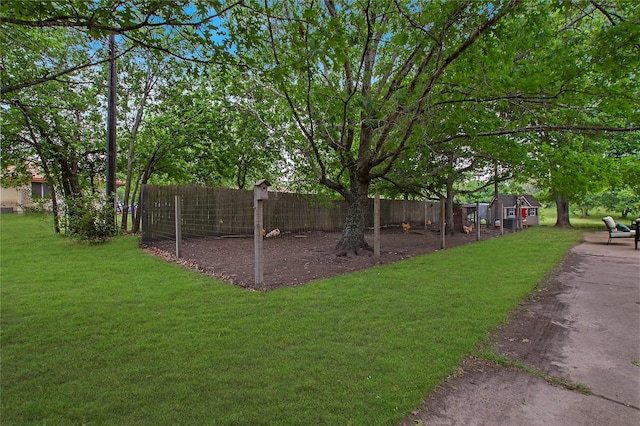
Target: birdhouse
<point>261,190</point>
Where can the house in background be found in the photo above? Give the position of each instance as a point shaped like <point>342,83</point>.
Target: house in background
<point>21,198</point>
<point>518,211</point>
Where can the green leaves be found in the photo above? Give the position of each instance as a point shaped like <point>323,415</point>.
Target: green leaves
<point>356,89</point>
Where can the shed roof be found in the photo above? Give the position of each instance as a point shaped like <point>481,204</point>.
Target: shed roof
<point>511,200</point>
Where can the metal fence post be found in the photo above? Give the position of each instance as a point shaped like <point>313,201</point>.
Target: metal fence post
<point>178,218</point>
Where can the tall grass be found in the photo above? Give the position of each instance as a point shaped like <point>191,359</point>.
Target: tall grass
<point>109,335</point>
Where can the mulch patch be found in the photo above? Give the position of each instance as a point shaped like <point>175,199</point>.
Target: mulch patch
<point>291,260</point>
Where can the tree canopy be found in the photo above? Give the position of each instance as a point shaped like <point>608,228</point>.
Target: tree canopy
<point>375,89</point>
<point>411,97</point>
<point>171,28</point>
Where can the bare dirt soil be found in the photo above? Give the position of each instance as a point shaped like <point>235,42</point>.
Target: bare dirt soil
<point>294,259</point>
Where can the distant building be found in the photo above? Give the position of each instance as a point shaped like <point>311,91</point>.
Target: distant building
<point>21,198</point>
<point>518,211</point>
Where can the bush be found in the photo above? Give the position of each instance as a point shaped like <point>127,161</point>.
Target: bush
<point>91,220</point>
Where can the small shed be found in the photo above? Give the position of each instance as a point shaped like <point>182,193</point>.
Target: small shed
<point>518,210</point>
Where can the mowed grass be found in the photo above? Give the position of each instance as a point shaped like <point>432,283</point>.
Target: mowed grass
<point>593,221</point>
<point>109,335</point>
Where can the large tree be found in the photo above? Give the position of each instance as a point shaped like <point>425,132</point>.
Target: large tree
<point>591,66</point>
<point>368,82</point>
<point>353,90</point>
<point>358,79</point>
<point>54,51</point>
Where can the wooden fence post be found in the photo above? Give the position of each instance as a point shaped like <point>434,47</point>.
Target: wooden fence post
<point>426,227</point>
<point>260,194</point>
<point>404,208</point>
<point>258,250</point>
<point>178,217</point>
<point>477,220</point>
<point>376,228</point>
<point>442,223</point>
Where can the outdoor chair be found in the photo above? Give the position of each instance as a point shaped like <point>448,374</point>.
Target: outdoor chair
<point>615,233</point>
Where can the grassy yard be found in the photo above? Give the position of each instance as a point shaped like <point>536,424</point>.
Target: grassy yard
<point>593,221</point>
<point>109,335</point>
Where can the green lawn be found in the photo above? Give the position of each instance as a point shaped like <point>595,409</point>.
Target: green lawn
<point>592,221</point>
<point>109,335</point>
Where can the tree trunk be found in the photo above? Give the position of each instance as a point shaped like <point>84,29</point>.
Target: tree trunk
<point>562,209</point>
<point>56,212</point>
<point>241,177</point>
<point>127,190</point>
<point>68,168</point>
<point>54,197</point>
<point>136,216</point>
<point>150,82</point>
<point>352,241</point>
<point>146,174</point>
<point>148,170</point>
<point>450,226</point>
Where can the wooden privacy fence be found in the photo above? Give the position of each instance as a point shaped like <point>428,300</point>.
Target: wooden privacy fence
<point>206,211</point>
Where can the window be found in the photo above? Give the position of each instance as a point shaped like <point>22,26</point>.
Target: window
<point>511,212</point>
<point>39,190</point>
<point>533,211</point>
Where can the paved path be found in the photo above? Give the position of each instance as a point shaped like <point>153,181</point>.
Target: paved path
<point>596,344</point>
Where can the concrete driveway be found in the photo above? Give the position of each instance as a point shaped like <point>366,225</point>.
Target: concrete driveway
<point>583,328</point>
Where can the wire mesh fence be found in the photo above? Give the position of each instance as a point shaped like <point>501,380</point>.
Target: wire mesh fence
<point>222,212</point>
<point>217,232</point>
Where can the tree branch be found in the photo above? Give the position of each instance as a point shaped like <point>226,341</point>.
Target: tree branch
<point>540,128</point>
<point>79,21</point>
<point>14,87</point>
<point>606,13</point>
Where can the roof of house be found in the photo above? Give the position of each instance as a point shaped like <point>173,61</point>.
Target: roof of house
<point>511,200</point>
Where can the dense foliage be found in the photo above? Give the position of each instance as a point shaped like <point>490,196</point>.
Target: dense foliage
<point>401,97</point>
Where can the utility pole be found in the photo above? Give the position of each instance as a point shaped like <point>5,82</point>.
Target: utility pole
<point>111,123</point>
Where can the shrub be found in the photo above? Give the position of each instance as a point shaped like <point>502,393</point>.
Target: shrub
<point>91,219</point>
